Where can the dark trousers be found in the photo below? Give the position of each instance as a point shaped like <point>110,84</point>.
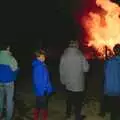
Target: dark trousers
<point>74,99</point>
<point>41,107</point>
<point>102,105</point>
<point>111,104</point>
<point>114,103</point>
<point>42,102</point>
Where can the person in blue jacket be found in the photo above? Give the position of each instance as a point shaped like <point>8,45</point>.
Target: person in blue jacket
<point>8,72</point>
<point>112,84</point>
<point>41,84</point>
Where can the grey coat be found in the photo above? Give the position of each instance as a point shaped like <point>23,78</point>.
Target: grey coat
<point>72,67</point>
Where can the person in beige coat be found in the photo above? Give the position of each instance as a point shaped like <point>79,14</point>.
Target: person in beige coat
<point>73,65</point>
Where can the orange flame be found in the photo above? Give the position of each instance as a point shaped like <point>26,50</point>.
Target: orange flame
<point>103,27</point>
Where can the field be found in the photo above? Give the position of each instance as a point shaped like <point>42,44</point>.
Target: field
<point>25,100</point>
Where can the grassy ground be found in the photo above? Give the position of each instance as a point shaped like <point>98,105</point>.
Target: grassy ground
<point>25,103</point>
<point>25,99</point>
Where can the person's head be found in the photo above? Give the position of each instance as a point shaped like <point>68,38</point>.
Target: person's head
<point>74,43</point>
<point>40,55</point>
<point>5,46</point>
<point>116,49</point>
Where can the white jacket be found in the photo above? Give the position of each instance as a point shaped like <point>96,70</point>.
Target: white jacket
<point>72,67</point>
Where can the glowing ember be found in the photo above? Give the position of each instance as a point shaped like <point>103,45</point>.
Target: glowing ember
<point>102,27</point>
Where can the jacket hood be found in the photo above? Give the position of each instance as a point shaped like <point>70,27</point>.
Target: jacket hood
<point>72,51</point>
<point>5,52</point>
<point>36,62</point>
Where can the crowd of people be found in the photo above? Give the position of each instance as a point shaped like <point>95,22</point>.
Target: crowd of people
<point>73,66</point>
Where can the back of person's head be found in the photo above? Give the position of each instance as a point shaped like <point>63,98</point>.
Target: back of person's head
<point>116,49</point>
<point>4,46</point>
<point>73,43</point>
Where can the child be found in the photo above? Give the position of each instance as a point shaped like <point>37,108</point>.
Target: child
<point>41,84</point>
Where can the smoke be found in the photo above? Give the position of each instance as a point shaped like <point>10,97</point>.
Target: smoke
<point>83,7</point>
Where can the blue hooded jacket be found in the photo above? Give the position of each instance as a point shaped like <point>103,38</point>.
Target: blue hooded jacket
<point>41,82</point>
<point>112,77</point>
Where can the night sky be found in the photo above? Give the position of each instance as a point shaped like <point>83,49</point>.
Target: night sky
<point>49,20</point>
<point>47,23</point>
<point>30,25</point>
